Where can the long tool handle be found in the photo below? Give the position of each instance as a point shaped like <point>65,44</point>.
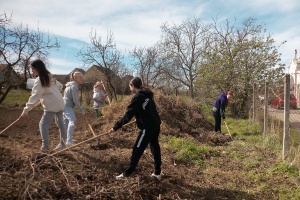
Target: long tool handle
<point>109,101</point>
<point>9,126</point>
<point>80,143</point>
<point>90,126</point>
<point>18,119</point>
<point>85,141</point>
<point>227,128</point>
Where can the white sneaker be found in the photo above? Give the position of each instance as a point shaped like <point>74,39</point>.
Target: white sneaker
<point>121,176</point>
<point>59,147</point>
<point>70,143</point>
<point>157,176</point>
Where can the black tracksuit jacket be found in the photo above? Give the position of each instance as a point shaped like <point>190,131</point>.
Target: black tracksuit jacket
<point>143,107</point>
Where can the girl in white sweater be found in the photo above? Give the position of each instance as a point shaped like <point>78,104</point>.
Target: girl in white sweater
<point>48,91</point>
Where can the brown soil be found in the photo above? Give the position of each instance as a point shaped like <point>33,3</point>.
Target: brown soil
<point>88,171</point>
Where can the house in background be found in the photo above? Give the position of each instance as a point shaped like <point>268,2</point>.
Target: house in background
<point>294,71</point>
<point>98,73</point>
<point>92,75</point>
<point>64,78</point>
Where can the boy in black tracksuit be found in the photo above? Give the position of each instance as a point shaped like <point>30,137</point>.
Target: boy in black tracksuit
<point>143,107</point>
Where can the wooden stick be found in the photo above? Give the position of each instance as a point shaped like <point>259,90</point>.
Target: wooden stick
<point>107,95</point>
<point>9,126</point>
<point>108,100</point>
<point>85,141</point>
<point>90,126</point>
<point>18,119</point>
<point>227,129</point>
<point>80,143</point>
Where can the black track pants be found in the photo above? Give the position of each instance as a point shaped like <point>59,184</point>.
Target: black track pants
<point>217,123</point>
<point>145,137</point>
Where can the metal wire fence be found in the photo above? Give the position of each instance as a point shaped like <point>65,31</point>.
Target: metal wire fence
<point>277,109</point>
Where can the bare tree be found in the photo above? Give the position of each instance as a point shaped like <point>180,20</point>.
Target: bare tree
<point>182,48</point>
<point>105,55</point>
<point>147,65</point>
<point>17,46</point>
<point>4,20</point>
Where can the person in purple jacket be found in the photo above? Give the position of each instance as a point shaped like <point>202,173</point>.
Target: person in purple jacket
<point>219,109</point>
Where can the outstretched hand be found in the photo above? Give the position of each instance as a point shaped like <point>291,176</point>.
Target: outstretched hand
<point>111,130</point>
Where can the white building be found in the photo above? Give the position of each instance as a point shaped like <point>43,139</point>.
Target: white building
<point>294,71</point>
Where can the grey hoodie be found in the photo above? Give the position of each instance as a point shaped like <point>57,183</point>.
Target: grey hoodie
<point>71,96</point>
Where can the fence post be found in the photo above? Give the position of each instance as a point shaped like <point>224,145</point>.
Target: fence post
<point>286,132</point>
<point>266,110</point>
<point>254,103</point>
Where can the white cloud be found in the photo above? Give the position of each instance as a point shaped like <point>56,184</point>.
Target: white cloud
<point>293,42</point>
<point>137,23</point>
<point>61,66</point>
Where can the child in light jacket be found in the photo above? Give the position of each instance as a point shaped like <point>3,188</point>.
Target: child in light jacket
<point>99,98</point>
<point>71,99</point>
<point>47,90</point>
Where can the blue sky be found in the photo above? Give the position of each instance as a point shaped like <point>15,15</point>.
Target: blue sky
<point>136,23</point>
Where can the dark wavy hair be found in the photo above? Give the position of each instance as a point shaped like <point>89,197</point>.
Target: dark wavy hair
<point>39,66</point>
<point>137,83</point>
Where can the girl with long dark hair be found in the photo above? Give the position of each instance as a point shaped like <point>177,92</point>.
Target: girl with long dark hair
<point>48,91</point>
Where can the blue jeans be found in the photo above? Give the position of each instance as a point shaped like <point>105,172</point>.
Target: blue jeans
<point>69,121</point>
<point>45,124</point>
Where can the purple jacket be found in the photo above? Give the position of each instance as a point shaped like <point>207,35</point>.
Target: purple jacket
<point>220,105</point>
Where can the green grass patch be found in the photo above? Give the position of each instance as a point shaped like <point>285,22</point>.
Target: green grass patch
<point>17,98</point>
<point>188,152</point>
<point>271,142</point>
<point>241,127</point>
<point>285,168</point>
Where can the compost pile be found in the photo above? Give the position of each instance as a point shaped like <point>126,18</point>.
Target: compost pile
<point>88,171</point>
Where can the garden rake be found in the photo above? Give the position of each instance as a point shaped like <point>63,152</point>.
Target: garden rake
<point>227,129</point>
<point>85,141</point>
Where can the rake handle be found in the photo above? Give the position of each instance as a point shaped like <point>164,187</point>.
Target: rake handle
<point>89,125</point>
<point>80,143</point>
<point>85,141</point>
<point>227,128</point>
<point>18,119</point>
<point>9,126</point>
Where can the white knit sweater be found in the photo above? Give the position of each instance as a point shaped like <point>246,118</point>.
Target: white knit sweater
<point>50,97</point>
